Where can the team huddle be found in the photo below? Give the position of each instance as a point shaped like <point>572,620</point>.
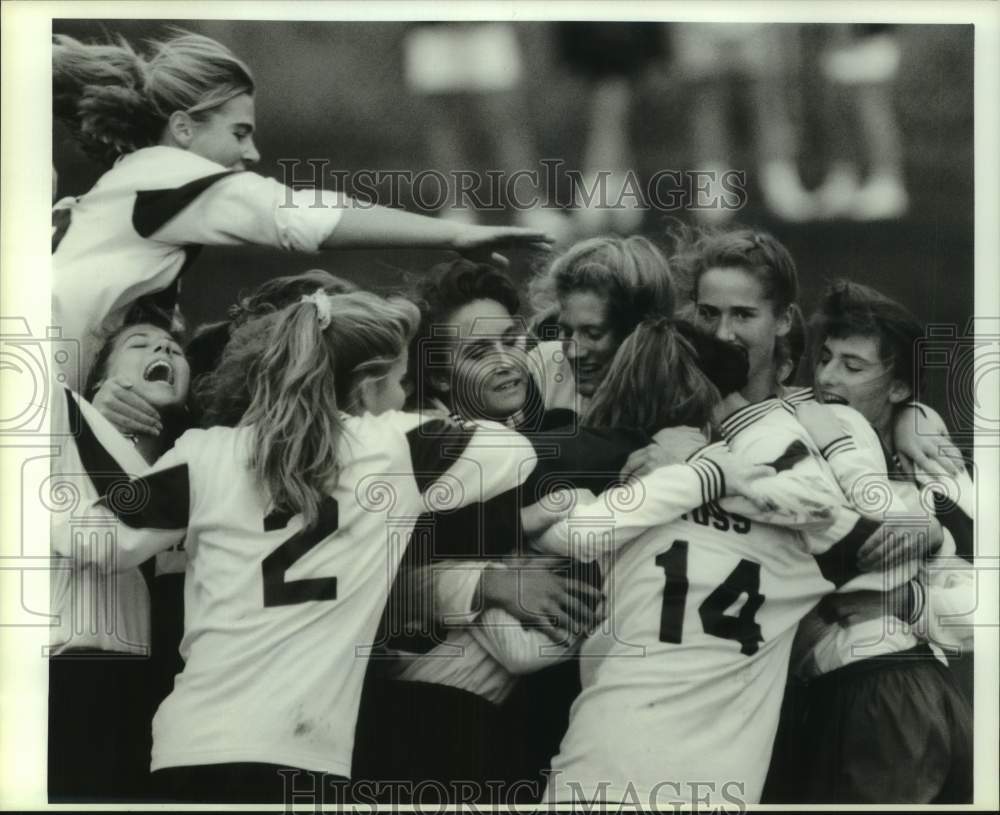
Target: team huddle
<point>659,540</point>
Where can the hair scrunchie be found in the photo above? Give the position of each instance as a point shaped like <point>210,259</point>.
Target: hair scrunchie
<point>324,308</point>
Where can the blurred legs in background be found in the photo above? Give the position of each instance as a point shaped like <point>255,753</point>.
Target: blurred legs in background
<point>612,58</point>
<point>759,58</point>
<point>859,66</point>
<point>470,76</point>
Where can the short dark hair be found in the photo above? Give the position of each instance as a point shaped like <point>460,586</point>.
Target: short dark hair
<point>758,253</point>
<point>446,288</point>
<point>849,309</point>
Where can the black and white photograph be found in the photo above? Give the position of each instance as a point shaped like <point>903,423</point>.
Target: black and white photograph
<point>506,405</point>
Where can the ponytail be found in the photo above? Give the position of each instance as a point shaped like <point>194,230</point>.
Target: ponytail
<point>290,375</point>
<point>654,382</point>
<point>115,101</point>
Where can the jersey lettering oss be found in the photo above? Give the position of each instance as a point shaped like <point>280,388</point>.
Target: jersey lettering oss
<point>717,518</point>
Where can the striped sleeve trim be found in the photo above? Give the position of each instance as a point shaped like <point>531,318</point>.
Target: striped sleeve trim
<point>713,482</point>
<point>747,416</point>
<point>799,396</point>
<point>842,445</point>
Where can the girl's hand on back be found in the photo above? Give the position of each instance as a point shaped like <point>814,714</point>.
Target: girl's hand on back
<point>552,508</point>
<point>129,412</point>
<point>528,589</point>
<point>740,476</point>
<point>672,445</point>
<point>922,441</point>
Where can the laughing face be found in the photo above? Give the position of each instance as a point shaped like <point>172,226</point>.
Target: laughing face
<point>153,362</point>
<point>489,374</point>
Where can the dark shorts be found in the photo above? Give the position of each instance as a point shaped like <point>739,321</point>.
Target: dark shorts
<point>418,742</point>
<point>885,730</point>
<point>99,732</point>
<point>248,783</point>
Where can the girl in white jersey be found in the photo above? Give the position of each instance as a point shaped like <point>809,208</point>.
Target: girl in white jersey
<point>102,676</point>
<point>468,359</point>
<point>744,287</point>
<point>296,521</point>
<point>176,130</point>
<point>656,668</point>
<point>883,721</point>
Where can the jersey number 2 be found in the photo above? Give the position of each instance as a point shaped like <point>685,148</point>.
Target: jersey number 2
<point>744,579</point>
<point>281,592</point>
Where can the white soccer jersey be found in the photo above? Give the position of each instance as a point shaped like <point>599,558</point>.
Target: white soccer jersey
<point>279,620</point>
<point>135,232</point>
<point>682,687</point>
<point>93,608</point>
<point>944,588</point>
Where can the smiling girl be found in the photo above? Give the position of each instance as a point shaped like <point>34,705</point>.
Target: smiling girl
<point>744,288</point>
<point>176,128</point>
<point>883,720</point>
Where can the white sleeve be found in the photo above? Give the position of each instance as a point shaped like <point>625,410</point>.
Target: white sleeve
<point>801,495</point>
<point>947,598</point>
<point>520,650</point>
<point>622,513</point>
<point>246,208</point>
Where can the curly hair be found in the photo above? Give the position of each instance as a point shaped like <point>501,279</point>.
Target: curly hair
<point>446,288</point>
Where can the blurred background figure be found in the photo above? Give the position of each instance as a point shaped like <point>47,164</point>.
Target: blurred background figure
<point>860,65</point>
<point>469,77</point>
<point>612,58</point>
<point>726,63</point>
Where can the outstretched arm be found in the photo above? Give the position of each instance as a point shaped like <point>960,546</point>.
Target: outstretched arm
<point>246,208</point>
<point>622,513</point>
<point>374,226</point>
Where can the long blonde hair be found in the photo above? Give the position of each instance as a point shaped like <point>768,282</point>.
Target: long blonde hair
<point>299,368</point>
<point>115,100</point>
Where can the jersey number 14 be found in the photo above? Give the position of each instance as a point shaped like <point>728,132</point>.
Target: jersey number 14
<point>744,579</point>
